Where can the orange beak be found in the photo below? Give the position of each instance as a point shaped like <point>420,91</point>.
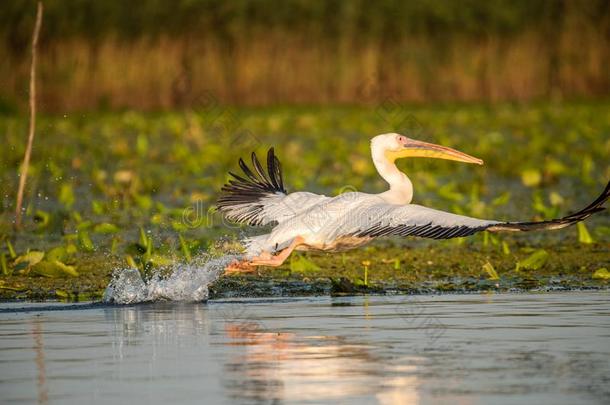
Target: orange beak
<point>413,148</point>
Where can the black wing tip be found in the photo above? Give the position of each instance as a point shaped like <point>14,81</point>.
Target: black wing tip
<point>428,230</point>
<point>593,208</point>
<point>255,185</point>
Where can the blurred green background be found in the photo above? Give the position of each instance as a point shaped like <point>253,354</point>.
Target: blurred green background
<point>145,107</point>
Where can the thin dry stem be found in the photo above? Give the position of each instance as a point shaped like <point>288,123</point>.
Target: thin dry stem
<point>28,149</point>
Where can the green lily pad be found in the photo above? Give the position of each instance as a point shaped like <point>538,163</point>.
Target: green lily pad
<point>54,269</point>
<point>602,273</point>
<point>82,225</point>
<point>534,261</point>
<point>60,253</point>
<point>26,261</point>
<point>85,241</point>
<point>62,294</point>
<point>106,228</point>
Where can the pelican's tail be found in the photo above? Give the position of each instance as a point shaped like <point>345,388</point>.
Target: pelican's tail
<point>242,198</point>
<point>595,206</point>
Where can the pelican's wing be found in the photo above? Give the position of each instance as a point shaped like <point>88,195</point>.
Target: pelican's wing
<point>382,219</point>
<point>259,198</point>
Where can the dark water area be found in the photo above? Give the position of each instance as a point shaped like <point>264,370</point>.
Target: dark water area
<point>495,348</point>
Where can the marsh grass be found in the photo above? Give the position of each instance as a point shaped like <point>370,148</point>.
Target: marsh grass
<point>268,71</point>
<point>161,56</point>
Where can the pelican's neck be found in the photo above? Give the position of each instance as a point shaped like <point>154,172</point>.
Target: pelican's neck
<point>401,188</point>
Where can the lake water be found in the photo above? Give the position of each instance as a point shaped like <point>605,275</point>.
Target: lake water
<point>496,348</point>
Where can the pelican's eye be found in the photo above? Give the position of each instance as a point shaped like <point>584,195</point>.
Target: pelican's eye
<point>402,140</point>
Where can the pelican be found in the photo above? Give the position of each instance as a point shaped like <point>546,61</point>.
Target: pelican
<point>308,221</point>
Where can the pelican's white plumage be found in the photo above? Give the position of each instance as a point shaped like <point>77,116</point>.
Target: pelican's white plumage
<point>306,221</point>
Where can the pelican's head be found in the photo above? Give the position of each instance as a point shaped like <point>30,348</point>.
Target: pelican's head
<point>396,146</point>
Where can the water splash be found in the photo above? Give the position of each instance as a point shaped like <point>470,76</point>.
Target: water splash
<point>187,282</point>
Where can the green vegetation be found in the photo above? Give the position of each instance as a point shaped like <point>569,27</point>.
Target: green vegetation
<point>126,189</point>
<point>162,54</point>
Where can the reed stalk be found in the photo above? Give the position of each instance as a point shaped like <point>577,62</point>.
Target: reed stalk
<point>32,128</point>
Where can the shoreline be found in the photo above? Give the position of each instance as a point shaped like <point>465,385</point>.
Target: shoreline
<point>62,305</point>
<point>390,270</point>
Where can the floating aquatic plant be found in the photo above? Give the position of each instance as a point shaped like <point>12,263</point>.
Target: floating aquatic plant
<point>491,272</point>
<point>583,234</point>
<point>106,228</point>
<point>53,269</point>
<point>534,261</point>
<point>602,273</point>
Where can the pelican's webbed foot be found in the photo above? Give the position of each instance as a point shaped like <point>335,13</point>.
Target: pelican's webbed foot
<point>240,267</point>
<point>264,259</point>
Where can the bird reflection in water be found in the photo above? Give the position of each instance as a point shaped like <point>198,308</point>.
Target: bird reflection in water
<point>257,363</point>
<point>277,366</point>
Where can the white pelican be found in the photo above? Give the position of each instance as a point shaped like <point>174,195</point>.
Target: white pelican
<point>308,221</point>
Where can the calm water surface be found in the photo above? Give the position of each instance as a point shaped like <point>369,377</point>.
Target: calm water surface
<point>522,348</point>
